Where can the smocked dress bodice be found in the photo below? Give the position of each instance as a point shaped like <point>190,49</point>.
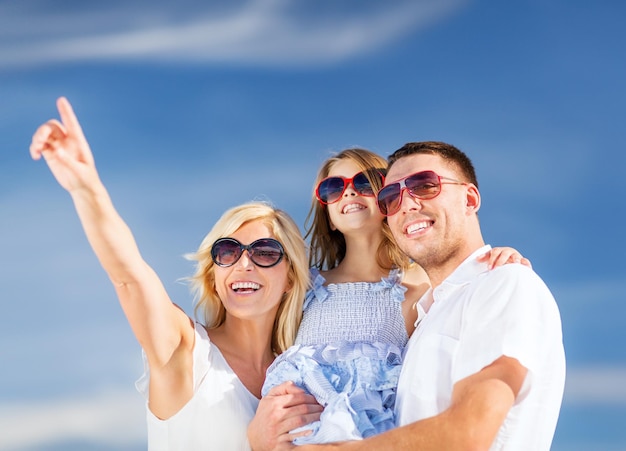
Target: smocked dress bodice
<point>348,355</point>
<point>354,312</point>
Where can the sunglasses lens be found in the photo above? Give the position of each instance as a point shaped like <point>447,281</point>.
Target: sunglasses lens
<point>226,251</point>
<point>389,199</point>
<point>266,252</point>
<point>362,185</point>
<point>423,185</point>
<point>330,189</point>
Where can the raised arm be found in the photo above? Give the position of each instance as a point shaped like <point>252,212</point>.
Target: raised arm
<point>162,329</point>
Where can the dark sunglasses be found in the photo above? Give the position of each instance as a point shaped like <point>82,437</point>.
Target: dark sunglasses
<point>265,252</point>
<point>332,188</point>
<point>421,185</point>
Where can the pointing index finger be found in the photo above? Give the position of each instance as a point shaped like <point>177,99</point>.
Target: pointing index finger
<point>68,118</point>
<point>73,128</point>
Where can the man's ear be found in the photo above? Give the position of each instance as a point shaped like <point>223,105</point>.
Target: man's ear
<point>472,199</point>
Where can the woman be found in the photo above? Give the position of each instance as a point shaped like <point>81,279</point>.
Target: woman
<point>202,382</point>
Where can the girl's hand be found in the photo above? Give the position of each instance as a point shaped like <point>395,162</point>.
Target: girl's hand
<point>65,149</point>
<point>499,256</point>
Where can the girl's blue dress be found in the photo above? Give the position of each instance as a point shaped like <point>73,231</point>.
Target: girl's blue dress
<point>348,355</point>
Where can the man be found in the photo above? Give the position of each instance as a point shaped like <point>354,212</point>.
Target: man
<point>485,368</point>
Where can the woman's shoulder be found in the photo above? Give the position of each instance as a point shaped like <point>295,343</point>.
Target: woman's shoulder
<point>201,332</point>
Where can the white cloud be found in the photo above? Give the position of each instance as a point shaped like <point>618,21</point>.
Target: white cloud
<point>111,419</point>
<point>596,385</point>
<point>269,32</point>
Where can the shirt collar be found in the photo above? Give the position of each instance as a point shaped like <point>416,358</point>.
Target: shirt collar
<point>462,275</point>
<point>469,268</point>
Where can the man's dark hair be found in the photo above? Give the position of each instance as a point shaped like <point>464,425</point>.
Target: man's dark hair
<point>446,151</point>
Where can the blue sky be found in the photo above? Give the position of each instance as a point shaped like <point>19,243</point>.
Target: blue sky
<point>194,107</point>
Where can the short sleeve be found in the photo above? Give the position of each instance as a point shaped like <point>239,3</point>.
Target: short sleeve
<point>393,283</point>
<point>317,291</point>
<point>511,313</point>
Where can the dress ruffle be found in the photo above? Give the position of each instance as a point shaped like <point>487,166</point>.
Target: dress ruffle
<point>355,382</point>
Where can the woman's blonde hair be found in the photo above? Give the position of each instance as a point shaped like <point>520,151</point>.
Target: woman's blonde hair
<point>208,304</point>
<point>328,246</point>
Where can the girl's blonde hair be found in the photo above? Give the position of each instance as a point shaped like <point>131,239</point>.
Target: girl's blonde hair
<point>208,304</point>
<point>327,246</point>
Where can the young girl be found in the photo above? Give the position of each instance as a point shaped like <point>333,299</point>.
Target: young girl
<point>356,321</point>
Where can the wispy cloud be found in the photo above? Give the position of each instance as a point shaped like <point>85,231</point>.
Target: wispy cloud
<point>112,420</point>
<point>267,32</point>
<point>596,385</point>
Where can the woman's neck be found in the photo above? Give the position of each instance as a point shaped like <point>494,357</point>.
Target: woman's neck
<point>247,348</point>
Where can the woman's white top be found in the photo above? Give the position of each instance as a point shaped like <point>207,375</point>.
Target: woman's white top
<point>216,417</point>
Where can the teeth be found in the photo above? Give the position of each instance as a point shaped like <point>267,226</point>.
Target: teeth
<point>352,207</point>
<point>417,227</point>
<point>245,286</point>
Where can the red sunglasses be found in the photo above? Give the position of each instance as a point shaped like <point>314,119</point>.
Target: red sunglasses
<point>332,188</point>
<point>421,185</point>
